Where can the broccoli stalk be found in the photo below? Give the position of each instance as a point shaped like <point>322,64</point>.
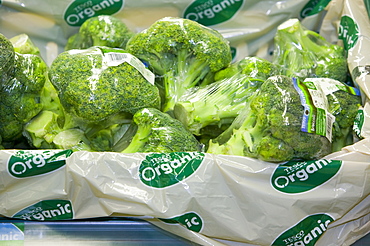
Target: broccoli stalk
<point>156,131</point>
<point>215,104</point>
<point>218,103</point>
<point>304,53</point>
<point>182,53</point>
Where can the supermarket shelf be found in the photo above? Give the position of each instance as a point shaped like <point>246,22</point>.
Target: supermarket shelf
<point>102,232</point>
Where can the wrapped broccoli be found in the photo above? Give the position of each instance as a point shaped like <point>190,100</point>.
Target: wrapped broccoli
<point>23,75</point>
<point>288,119</point>
<point>91,99</point>
<point>304,53</point>
<point>183,53</point>
<point>218,103</point>
<point>102,30</point>
<point>156,131</point>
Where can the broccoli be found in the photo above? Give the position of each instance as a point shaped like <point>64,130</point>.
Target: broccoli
<point>304,53</point>
<point>270,127</point>
<point>255,67</point>
<point>102,30</point>
<point>23,44</point>
<point>7,56</point>
<point>182,53</point>
<point>155,131</point>
<point>93,91</point>
<point>21,95</point>
<point>219,103</point>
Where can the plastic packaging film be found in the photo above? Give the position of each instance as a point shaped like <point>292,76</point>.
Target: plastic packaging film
<point>209,199</point>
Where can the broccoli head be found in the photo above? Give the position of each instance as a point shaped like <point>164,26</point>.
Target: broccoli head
<point>90,99</point>
<point>93,87</point>
<point>183,53</point>
<point>155,131</point>
<point>271,126</point>
<point>102,30</point>
<point>21,95</point>
<point>218,103</point>
<point>304,53</point>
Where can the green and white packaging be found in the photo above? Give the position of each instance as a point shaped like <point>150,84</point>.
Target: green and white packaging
<point>223,199</point>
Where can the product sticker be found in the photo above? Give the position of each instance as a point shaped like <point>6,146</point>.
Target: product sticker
<point>115,57</point>
<point>316,118</point>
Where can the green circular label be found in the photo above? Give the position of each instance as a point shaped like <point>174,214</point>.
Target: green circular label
<point>348,32</point>
<point>300,176</point>
<point>161,170</point>
<point>306,232</point>
<point>47,210</point>
<point>80,10</point>
<point>313,7</point>
<point>190,220</point>
<point>212,12</point>
<point>28,163</point>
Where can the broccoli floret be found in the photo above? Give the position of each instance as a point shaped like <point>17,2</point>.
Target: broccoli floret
<point>91,99</point>
<point>270,127</point>
<point>219,103</point>
<point>155,131</point>
<point>21,95</point>
<point>7,56</point>
<point>23,44</point>
<point>255,67</point>
<point>304,53</point>
<point>102,30</point>
<point>183,53</point>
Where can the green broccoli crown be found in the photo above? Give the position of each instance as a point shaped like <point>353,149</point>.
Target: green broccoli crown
<point>102,30</point>
<point>92,89</point>
<point>21,94</point>
<point>184,52</point>
<point>159,132</point>
<point>7,56</point>
<point>270,127</point>
<point>217,103</point>
<point>254,67</point>
<point>304,53</point>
